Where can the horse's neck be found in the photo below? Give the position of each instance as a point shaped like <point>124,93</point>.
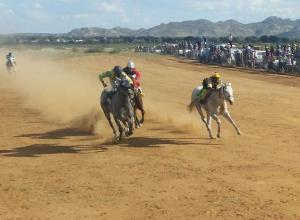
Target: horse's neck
<point>216,97</point>
<point>123,100</point>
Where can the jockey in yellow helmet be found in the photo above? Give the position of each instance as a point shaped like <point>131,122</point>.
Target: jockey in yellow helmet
<point>213,82</point>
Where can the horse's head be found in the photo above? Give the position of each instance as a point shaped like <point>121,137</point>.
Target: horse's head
<point>228,93</point>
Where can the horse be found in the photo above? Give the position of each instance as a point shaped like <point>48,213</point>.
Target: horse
<point>11,65</point>
<point>138,105</point>
<point>120,107</point>
<point>214,104</point>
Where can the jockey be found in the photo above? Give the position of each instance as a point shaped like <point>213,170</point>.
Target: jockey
<point>215,81</point>
<point>135,75</point>
<point>11,57</point>
<point>204,90</point>
<point>212,82</point>
<point>115,74</point>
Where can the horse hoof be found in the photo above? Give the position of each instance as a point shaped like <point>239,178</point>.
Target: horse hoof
<point>130,133</point>
<point>213,138</point>
<point>218,136</point>
<point>116,140</point>
<point>239,133</point>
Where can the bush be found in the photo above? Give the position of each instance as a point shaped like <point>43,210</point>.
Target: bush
<point>75,49</point>
<point>114,51</point>
<point>94,50</point>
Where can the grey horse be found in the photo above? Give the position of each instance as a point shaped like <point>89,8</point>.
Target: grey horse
<point>214,104</point>
<point>119,104</point>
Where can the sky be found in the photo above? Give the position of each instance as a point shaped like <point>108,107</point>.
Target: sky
<point>61,16</point>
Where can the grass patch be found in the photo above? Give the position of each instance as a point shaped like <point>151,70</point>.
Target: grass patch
<point>115,51</point>
<point>94,50</point>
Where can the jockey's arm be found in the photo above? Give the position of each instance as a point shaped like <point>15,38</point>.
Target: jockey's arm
<point>137,75</point>
<point>105,75</point>
<point>133,77</point>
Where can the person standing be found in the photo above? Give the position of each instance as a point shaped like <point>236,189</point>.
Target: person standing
<point>230,39</point>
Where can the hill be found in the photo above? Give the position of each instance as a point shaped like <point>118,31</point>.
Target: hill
<point>270,26</point>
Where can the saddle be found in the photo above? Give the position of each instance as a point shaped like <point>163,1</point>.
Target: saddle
<point>204,95</point>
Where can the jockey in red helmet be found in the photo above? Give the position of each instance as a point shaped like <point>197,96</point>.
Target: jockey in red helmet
<point>135,75</point>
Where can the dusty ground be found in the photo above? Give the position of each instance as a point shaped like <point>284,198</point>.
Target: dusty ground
<point>51,168</point>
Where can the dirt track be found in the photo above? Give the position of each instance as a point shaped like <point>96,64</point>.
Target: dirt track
<point>169,169</point>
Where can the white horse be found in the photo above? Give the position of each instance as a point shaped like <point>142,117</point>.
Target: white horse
<point>11,65</point>
<point>214,105</point>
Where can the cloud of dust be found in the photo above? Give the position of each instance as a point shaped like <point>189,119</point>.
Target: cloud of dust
<point>61,96</point>
<point>172,114</point>
<point>66,97</point>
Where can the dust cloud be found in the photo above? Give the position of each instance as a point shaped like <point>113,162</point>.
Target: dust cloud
<point>64,96</point>
<point>61,96</point>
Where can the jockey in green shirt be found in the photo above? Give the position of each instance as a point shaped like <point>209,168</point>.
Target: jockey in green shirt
<point>113,75</point>
<point>212,82</point>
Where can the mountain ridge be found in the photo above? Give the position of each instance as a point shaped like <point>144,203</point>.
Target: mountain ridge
<point>200,28</point>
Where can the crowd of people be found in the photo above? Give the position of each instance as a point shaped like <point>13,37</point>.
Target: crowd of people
<point>283,58</point>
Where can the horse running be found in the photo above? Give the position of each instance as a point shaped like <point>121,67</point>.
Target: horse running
<point>215,104</point>
<point>11,66</point>
<point>120,107</point>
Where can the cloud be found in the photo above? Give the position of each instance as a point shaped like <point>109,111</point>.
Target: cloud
<point>111,6</point>
<point>37,5</point>
<point>5,11</point>
<point>114,6</point>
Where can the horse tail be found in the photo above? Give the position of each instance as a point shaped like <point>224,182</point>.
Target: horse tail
<point>190,106</point>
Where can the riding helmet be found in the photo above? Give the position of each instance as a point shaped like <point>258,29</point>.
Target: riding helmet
<point>216,75</point>
<point>130,64</point>
<point>117,70</point>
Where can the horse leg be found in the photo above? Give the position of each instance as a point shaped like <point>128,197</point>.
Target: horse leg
<point>199,109</point>
<point>143,115</point>
<point>8,69</point>
<point>216,118</point>
<point>136,120</point>
<point>209,125</point>
<point>120,128</point>
<point>130,126</point>
<point>228,117</point>
<point>130,119</point>
<point>140,106</point>
<point>107,115</point>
